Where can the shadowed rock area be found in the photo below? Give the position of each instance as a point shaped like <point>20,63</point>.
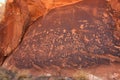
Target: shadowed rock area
<point>76,36</point>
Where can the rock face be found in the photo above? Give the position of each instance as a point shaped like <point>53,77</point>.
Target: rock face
<point>2,7</point>
<point>73,36</point>
<point>12,26</point>
<point>19,14</point>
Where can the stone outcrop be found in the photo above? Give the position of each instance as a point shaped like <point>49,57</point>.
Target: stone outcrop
<point>76,36</point>
<point>38,35</point>
<point>19,14</point>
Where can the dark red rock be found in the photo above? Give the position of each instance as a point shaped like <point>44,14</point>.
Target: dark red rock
<point>18,15</point>
<point>74,36</point>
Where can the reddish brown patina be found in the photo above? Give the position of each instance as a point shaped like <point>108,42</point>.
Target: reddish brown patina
<point>77,35</point>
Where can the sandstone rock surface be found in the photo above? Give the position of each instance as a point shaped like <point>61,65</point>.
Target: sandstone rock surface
<point>76,36</point>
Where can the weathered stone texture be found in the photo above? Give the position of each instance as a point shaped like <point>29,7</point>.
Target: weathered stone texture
<point>73,36</point>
